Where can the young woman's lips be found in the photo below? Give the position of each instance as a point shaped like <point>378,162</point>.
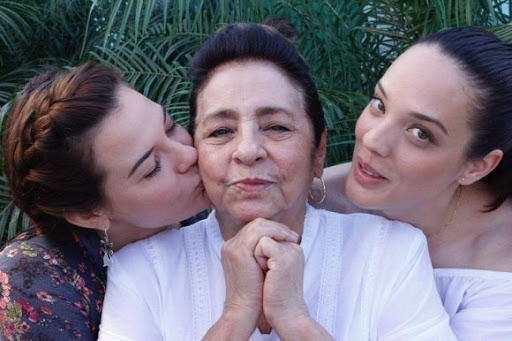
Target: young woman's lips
<point>367,176</point>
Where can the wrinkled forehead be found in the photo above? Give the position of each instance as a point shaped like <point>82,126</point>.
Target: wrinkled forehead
<point>248,63</point>
<point>238,85</point>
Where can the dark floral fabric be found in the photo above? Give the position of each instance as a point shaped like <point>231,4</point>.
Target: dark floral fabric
<point>51,290</point>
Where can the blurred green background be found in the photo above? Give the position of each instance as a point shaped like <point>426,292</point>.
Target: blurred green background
<point>349,44</point>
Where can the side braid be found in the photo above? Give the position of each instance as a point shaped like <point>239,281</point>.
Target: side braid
<point>48,156</point>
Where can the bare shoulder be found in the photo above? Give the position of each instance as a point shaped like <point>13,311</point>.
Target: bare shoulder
<point>493,249</point>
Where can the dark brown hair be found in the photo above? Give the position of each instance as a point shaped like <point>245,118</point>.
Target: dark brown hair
<point>486,62</point>
<point>47,146</point>
<point>269,42</point>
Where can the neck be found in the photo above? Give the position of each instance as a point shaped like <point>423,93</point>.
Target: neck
<point>127,235</point>
<point>432,216</point>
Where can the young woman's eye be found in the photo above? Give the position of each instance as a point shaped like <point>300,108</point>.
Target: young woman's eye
<point>171,128</point>
<point>421,134</point>
<point>154,171</point>
<point>376,104</point>
<point>220,132</point>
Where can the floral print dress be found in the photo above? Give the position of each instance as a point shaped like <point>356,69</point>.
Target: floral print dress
<point>51,290</point>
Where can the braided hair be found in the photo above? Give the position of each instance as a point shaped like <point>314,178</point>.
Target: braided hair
<point>47,147</point>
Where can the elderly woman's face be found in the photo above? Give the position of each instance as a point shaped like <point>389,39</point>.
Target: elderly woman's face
<point>255,144</point>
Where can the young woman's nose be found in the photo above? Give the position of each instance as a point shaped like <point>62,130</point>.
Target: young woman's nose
<point>378,138</point>
<point>180,150</point>
<point>248,146</point>
<point>184,156</point>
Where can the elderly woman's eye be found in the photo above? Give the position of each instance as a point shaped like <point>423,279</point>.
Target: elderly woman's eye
<point>277,127</point>
<point>220,132</point>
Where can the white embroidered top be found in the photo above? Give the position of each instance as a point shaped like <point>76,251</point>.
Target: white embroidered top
<point>479,303</point>
<point>361,282</point>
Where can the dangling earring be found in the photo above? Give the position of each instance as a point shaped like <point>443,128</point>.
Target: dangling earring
<point>324,193</point>
<point>107,250</point>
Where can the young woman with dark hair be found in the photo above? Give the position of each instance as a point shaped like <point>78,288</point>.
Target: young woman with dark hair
<point>91,181</point>
<point>434,149</point>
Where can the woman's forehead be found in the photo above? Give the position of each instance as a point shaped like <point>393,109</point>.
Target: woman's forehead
<point>253,83</point>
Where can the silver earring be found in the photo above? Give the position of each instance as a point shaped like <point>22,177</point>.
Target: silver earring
<point>107,250</point>
<point>322,197</point>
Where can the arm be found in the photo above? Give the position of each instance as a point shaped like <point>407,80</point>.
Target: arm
<point>43,297</point>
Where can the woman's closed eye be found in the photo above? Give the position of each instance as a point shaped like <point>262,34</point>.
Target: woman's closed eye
<point>154,171</point>
<point>171,128</point>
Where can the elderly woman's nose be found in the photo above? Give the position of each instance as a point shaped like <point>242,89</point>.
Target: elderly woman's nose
<point>248,147</point>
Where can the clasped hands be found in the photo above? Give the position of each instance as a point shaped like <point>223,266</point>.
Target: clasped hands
<point>264,270</point>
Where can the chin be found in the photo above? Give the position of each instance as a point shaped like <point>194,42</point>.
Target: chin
<point>362,201</point>
<point>246,216</point>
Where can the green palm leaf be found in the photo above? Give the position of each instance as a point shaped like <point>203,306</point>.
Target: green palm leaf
<point>15,24</point>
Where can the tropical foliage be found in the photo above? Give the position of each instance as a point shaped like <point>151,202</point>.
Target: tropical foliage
<point>348,43</point>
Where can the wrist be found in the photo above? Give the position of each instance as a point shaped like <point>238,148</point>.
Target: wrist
<point>235,323</point>
<point>302,328</point>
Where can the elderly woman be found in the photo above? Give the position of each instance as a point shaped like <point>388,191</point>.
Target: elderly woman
<point>244,273</point>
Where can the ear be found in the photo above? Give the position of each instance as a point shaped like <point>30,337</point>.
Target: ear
<point>96,220</point>
<point>479,168</point>
<point>319,156</point>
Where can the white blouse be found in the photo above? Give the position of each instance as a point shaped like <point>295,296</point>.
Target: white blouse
<point>479,303</point>
<point>365,278</point>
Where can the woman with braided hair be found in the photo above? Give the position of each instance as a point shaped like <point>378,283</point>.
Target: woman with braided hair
<point>91,181</point>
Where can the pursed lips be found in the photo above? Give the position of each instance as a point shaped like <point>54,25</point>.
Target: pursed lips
<point>251,185</point>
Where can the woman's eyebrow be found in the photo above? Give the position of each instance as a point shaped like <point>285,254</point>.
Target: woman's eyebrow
<point>140,161</point>
<point>148,153</point>
<point>164,111</point>
<point>381,88</point>
<point>417,115</point>
<point>424,117</point>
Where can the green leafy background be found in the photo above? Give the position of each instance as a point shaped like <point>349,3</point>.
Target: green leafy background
<point>348,44</point>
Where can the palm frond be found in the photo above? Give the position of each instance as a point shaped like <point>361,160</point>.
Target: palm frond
<point>12,219</point>
<point>15,24</point>
<point>154,70</point>
<point>504,32</point>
